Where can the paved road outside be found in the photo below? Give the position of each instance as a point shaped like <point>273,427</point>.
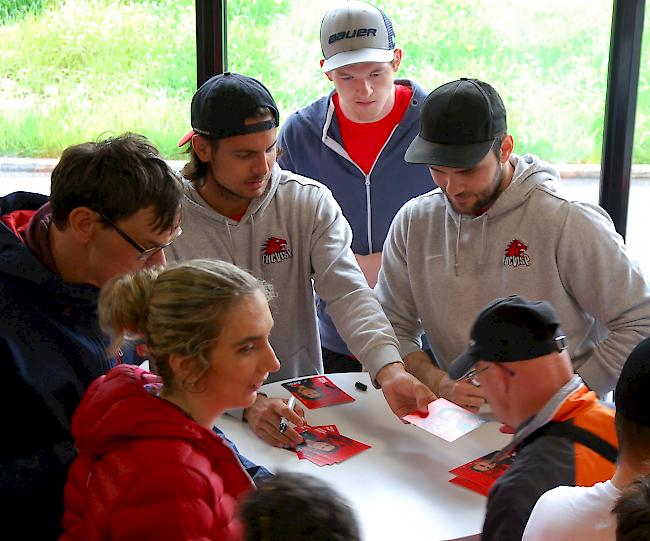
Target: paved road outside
<point>579,182</point>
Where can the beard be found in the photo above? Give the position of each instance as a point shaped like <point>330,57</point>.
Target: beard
<point>484,199</point>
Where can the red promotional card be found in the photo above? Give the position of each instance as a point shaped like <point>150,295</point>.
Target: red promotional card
<point>446,420</point>
<point>468,484</point>
<point>328,428</point>
<point>482,472</point>
<point>317,392</point>
<point>323,447</point>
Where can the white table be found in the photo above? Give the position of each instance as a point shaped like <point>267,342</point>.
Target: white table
<point>400,487</point>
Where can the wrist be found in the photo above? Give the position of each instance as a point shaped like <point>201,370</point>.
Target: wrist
<point>388,372</point>
<point>437,378</point>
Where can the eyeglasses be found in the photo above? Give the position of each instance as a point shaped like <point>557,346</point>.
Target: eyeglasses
<point>471,375</point>
<point>145,253</point>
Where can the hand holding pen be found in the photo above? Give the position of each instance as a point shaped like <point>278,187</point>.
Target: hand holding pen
<point>265,415</point>
<point>283,422</point>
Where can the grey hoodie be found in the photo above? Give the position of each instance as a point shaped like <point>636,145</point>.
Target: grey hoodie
<point>440,268</point>
<point>295,237</point>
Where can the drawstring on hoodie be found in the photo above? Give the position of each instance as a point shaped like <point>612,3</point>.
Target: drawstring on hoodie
<point>460,222</point>
<point>258,269</point>
<point>483,237</point>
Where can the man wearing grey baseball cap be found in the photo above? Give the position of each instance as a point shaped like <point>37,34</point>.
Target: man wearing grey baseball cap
<point>354,138</point>
<point>497,226</point>
<point>517,354</point>
<point>240,206</point>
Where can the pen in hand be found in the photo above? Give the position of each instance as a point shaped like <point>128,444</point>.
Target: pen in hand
<point>283,422</point>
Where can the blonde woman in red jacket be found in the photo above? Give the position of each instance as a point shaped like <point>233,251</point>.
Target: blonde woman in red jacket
<point>149,465</point>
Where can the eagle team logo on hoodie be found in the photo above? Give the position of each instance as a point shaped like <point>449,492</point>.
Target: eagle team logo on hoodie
<point>275,250</point>
<point>516,255</point>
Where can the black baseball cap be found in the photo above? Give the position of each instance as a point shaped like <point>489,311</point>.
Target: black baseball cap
<point>223,103</point>
<point>632,386</point>
<point>511,329</point>
<point>458,125</point>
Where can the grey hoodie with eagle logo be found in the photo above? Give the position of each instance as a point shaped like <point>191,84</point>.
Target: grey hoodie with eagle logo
<point>440,268</point>
<point>295,237</point>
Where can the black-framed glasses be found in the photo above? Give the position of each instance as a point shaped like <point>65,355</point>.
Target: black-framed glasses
<point>145,253</point>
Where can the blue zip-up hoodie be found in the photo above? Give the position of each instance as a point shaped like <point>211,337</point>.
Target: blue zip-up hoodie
<point>51,349</point>
<point>312,146</point>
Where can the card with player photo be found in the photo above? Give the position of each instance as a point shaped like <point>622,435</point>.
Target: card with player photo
<point>465,483</point>
<point>328,428</point>
<point>317,392</point>
<point>482,472</point>
<point>446,420</point>
<point>323,447</point>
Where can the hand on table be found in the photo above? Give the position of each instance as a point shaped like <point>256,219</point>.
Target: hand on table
<point>264,418</point>
<point>463,392</point>
<point>403,392</point>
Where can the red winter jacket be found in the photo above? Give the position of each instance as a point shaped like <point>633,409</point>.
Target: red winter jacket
<point>147,471</point>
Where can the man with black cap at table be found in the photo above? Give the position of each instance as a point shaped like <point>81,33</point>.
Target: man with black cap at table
<point>567,513</point>
<point>496,226</point>
<point>240,206</point>
<point>518,355</point>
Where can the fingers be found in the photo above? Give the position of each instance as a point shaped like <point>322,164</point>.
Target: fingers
<point>405,394</point>
<point>269,432</point>
<point>264,419</point>
<point>295,415</point>
<point>466,388</point>
<point>424,396</point>
<point>463,393</point>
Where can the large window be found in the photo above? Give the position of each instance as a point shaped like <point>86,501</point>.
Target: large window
<point>638,220</point>
<point>72,70</point>
<point>548,60</point>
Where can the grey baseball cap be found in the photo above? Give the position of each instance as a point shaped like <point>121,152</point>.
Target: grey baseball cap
<point>356,32</point>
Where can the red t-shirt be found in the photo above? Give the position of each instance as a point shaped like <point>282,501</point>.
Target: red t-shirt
<point>364,141</point>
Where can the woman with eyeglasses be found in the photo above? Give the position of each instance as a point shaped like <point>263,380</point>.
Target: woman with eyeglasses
<point>149,465</point>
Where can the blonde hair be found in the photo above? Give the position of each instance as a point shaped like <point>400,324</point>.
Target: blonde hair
<point>178,310</point>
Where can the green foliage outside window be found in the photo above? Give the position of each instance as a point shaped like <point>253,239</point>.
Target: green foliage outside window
<point>71,70</point>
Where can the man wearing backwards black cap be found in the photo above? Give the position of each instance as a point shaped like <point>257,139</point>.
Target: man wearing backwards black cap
<point>517,354</point>
<point>567,513</point>
<point>495,226</point>
<point>353,140</point>
<point>286,229</point>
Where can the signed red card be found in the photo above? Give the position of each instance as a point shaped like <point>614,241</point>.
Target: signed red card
<point>317,392</point>
<point>446,420</point>
<point>323,447</point>
<point>468,484</point>
<point>329,428</point>
<point>482,472</point>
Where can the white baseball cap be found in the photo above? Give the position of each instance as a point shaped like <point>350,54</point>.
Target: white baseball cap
<point>356,32</point>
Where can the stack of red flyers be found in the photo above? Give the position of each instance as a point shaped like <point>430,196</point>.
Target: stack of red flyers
<point>317,392</point>
<point>481,473</point>
<point>324,445</point>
